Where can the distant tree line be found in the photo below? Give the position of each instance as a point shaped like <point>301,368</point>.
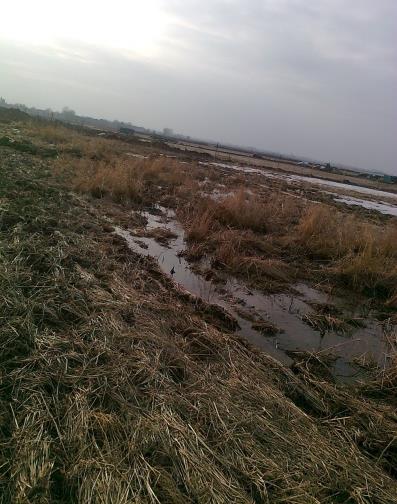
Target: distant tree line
<point>69,115</point>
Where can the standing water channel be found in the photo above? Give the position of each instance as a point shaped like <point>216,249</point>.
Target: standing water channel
<point>247,306</point>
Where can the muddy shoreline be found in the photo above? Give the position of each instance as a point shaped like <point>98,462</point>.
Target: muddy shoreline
<point>274,323</point>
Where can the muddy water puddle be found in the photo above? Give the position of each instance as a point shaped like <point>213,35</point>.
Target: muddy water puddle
<point>279,314</point>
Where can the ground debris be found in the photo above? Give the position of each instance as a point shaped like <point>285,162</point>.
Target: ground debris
<point>327,317</point>
<point>266,327</point>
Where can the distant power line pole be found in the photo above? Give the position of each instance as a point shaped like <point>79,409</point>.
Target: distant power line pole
<point>216,151</point>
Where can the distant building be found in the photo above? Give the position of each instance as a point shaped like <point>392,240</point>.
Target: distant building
<point>168,132</point>
<point>389,179</point>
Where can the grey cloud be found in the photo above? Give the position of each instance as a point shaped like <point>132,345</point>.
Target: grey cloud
<point>314,78</point>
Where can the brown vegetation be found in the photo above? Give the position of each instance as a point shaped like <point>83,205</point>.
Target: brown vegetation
<point>326,317</point>
<point>114,389</point>
<point>265,238</point>
<point>265,327</point>
<point>279,230</point>
<point>233,232</point>
<point>128,180</point>
<point>241,211</point>
<point>72,143</point>
<point>362,255</point>
<point>161,235</point>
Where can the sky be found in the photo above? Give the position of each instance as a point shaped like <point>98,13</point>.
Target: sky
<point>313,78</point>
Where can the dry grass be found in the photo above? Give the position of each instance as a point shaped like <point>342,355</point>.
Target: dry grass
<point>240,210</point>
<point>72,143</point>
<point>161,235</point>
<point>361,254</point>
<point>52,132</point>
<point>332,234</point>
<point>385,383</point>
<point>266,327</point>
<point>121,181</point>
<point>234,233</point>
<point>128,180</point>
<point>327,233</point>
<point>243,211</point>
<point>242,252</point>
<point>201,226</point>
<point>327,317</point>
<point>114,389</point>
<point>273,269</point>
<point>324,322</point>
<point>95,148</point>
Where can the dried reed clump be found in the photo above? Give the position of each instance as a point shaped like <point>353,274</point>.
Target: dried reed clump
<point>201,226</point>
<point>52,132</point>
<point>384,385</point>
<point>331,234</point>
<point>237,211</point>
<point>369,271</point>
<point>242,252</point>
<point>243,211</point>
<point>327,317</point>
<point>274,269</point>
<point>124,179</point>
<point>232,231</point>
<point>75,143</point>
<point>328,234</point>
<point>361,254</point>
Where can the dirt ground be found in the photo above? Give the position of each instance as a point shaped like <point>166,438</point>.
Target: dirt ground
<point>117,385</point>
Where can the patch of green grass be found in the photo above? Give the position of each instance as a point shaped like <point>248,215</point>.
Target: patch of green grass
<point>25,146</point>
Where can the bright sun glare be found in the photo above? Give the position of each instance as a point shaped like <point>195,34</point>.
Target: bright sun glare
<point>132,25</point>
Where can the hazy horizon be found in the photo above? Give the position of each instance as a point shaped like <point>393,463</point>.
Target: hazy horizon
<point>309,78</point>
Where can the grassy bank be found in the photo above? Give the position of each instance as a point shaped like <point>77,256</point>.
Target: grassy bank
<point>116,388</point>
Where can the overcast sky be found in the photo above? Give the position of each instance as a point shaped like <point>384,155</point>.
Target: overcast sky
<point>308,77</point>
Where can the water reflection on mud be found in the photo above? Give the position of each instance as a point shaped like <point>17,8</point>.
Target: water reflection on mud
<point>251,307</point>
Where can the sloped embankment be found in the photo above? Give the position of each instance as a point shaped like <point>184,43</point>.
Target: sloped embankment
<point>114,389</point>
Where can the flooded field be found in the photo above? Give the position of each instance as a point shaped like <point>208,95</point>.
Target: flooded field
<point>348,194</point>
<point>275,323</point>
<point>382,207</point>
